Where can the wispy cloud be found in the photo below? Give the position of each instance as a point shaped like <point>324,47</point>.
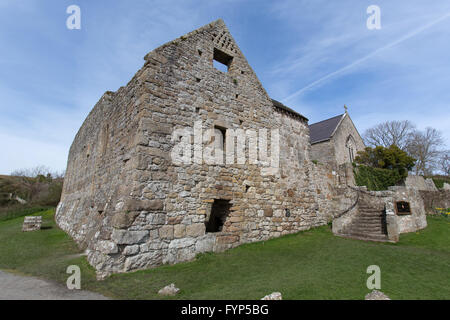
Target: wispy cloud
<point>365,58</point>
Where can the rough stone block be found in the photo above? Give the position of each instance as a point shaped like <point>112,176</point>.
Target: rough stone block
<point>107,247</point>
<point>128,237</point>
<point>195,230</point>
<point>123,220</point>
<point>131,250</point>
<point>144,205</point>
<point>179,231</point>
<point>169,290</point>
<point>268,212</point>
<point>166,232</point>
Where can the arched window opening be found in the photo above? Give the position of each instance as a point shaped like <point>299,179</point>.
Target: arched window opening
<point>350,144</point>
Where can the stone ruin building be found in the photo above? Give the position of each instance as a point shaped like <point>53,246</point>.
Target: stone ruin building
<point>132,206</point>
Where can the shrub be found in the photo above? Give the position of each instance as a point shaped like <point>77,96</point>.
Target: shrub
<point>440,180</point>
<point>392,158</point>
<point>376,178</point>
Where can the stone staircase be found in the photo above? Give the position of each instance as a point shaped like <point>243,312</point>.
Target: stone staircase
<point>369,223</point>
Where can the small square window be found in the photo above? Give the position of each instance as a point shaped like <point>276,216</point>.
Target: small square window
<point>221,60</point>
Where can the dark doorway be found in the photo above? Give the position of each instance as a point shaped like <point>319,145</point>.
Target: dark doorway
<point>219,212</point>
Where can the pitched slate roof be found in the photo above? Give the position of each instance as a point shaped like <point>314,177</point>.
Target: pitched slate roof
<point>323,130</point>
<point>279,105</point>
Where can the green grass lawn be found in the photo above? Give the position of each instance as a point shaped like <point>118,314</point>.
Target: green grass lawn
<point>308,265</point>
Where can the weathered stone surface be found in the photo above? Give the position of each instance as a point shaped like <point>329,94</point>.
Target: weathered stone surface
<point>268,212</point>
<point>166,232</point>
<point>205,243</point>
<point>144,205</point>
<point>376,295</point>
<point>195,230</point>
<point>273,296</point>
<point>128,237</point>
<point>144,260</point>
<point>107,247</point>
<point>179,231</point>
<point>169,290</point>
<point>181,243</point>
<point>123,220</point>
<point>130,250</point>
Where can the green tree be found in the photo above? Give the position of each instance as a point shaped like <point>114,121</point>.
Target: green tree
<point>392,158</point>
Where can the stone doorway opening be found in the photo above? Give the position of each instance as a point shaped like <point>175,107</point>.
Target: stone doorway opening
<point>220,210</point>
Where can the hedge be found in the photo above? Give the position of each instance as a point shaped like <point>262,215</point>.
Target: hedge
<point>376,179</point>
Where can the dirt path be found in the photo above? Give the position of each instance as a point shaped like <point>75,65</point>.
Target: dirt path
<point>14,287</point>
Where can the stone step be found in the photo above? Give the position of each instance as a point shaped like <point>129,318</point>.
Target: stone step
<point>368,221</point>
<point>370,209</point>
<point>364,238</point>
<point>366,230</point>
<point>367,225</point>
<point>367,234</point>
<point>370,214</point>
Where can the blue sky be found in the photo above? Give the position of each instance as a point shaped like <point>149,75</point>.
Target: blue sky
<point>315,56</point>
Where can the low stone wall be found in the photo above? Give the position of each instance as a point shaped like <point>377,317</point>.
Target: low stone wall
<point>419,183</point>
<point>435,199</point>
<point>417,219</point>
<point>344,218</point>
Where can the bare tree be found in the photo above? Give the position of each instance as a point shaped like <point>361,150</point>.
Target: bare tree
<point>32,172</point>
<point>444,162</point>
<point>424,146</point>
<point>38,182</point>
<point>388,133</point>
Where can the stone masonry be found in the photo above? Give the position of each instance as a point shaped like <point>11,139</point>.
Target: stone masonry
<point>132,207</point>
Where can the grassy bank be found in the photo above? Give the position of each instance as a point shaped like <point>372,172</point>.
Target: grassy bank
<point>309,265</point>
<point>12,212</point>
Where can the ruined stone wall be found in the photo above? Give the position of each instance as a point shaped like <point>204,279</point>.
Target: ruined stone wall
<point>419,183</point>
<point>435,199</point>
<point>339,140</point>
<point>98,165</point>
<point>133,207</point>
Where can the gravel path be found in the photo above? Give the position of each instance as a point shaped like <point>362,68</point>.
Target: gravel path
<point>14,287</point>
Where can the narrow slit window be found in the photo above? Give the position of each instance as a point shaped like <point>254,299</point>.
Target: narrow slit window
<point>223,133</point>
